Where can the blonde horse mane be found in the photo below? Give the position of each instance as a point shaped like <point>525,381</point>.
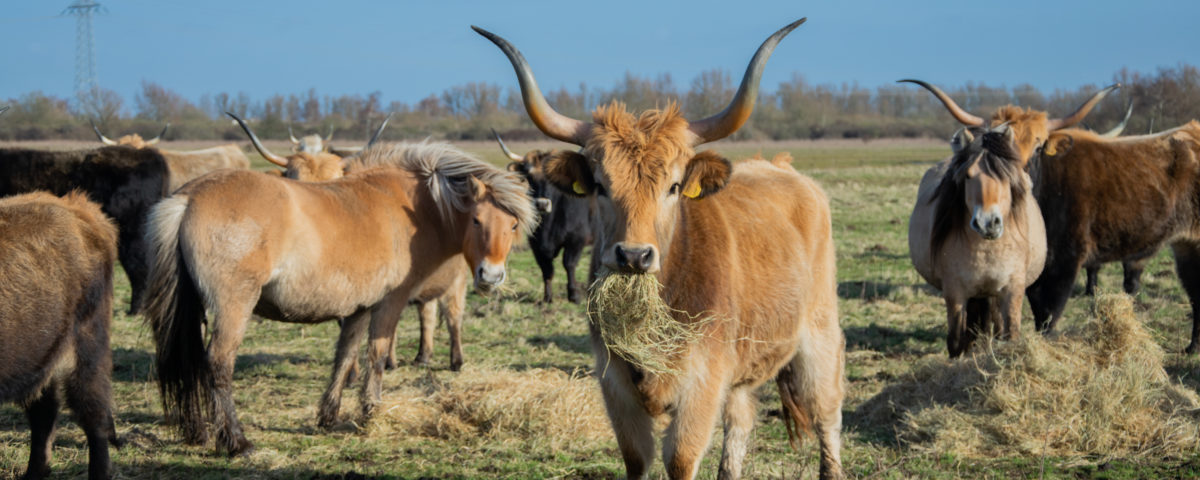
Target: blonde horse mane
<point>447,170</point>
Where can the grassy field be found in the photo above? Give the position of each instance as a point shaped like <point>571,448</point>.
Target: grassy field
<point>525,406</point>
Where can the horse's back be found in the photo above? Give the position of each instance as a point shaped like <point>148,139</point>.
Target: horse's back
<point>920,223</point>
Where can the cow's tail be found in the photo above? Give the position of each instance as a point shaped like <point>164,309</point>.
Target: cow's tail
<point>796,418</point>
<point>175,313</point>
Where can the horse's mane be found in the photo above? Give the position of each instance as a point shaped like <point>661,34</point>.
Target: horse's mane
<point>446,170</point>
<point>997,158</point>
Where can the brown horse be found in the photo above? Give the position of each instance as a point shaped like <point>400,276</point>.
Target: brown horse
<point>737,260</point>
<point>977,235</point>
<point>56,259</point>
<point>355,248</point>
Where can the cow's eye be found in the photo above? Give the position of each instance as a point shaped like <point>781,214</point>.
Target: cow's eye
<point>600,192</point>
<point>675,189</point>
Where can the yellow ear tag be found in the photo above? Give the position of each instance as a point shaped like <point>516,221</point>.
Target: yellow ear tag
<point>1050,150</point>
<point>578,188</point>
<point>692,191</point>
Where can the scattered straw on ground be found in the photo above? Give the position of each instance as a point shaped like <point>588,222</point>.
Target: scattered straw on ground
<point>540,404</point>
<point>1098,391</point>
<point>636,324</point>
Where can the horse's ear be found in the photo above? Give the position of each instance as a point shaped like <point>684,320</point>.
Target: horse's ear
<point>569,172</point>
<point>478,188</point>
<point>707,173</point>
<point>1057,145</point>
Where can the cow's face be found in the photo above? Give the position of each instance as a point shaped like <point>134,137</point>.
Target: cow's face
<point>530,168</point>
<point>314,167</point>
<point>640,169</point>
<point>1029,129</point>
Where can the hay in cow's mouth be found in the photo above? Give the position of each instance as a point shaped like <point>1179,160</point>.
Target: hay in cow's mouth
<point>637,325</point>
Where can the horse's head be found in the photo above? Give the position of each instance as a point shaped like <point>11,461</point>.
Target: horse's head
<point>488,236</point>
<point>985,186</point>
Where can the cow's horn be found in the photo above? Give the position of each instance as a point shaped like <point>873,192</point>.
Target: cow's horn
<point>106,140</point>
<point>959,114</point>
<point>329,138</point>
<point>292,136</point>
<point>155,140</point>
<point>1116,131</point>
<point>550,122</point>
<point>379,131</point>
<point>735,115</point>
<point>504,147</point>
<point>271,157</point>
<point>1082,111</point>
<point>4,109</point>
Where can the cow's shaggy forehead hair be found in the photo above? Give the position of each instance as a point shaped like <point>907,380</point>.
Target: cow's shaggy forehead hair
<point>446,169</point>
<point>637,153</point>
<point>1029,126</point>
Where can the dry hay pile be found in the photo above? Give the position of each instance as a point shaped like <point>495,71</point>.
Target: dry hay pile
<point>544,405</point>
<point>636,324</point>
<point>1099,391</point>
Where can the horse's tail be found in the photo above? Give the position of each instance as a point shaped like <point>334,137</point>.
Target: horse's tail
<point>175,312</point>
<point>795,417</point>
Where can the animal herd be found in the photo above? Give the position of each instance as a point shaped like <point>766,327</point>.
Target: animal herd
<point>739,255</point>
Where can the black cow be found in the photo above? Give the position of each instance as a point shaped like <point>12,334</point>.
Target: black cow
<point>565,224</point>
<point>125,181</point>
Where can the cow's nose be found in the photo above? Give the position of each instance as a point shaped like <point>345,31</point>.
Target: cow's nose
<point>639,259</point>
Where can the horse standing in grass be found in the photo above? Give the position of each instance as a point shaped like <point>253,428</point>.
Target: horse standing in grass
<point>56,262</point>
<point>977,235</point>
<point>355,248</point>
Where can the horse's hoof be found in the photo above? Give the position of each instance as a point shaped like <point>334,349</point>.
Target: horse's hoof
<point>456,366</point>
<point>242,448</point>
<point>1192,349</point>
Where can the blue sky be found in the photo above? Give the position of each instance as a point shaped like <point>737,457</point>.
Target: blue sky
<point>407,50</point>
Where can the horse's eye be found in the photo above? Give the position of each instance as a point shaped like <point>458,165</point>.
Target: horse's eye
<point>476,220</point>
<point>514,227</point>
<point>675,189</point>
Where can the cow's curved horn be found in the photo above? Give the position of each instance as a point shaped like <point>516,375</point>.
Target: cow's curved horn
<point>735,115</point>
<point>957,112</point>
<point>1116,131</point>
<point>155,140</point>
<point>329,138</point>
<point>4,109</point>
<point>504,147</point>
<point>379,131</point>
<point>550,122</point>
<point>1082,111</point>
<point>292,136</point>
<point>104,139</point>
<point>271,157</point>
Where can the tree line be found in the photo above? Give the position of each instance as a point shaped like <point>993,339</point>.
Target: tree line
<point>795,109</point>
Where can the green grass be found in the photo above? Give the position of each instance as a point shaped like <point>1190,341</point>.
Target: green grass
<point>890,318</point>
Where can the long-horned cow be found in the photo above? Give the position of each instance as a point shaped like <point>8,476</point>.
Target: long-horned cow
<point>736,260</point>
<point>309,165</point>
<point>186,165</point>
<point>1132,268</point>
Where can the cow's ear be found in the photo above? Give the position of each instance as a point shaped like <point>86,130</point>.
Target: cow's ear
<point>518,167</point>
<point>1057,145</point>
<point>707,173</point>
<point>569,172</point>
<point>961,139</point>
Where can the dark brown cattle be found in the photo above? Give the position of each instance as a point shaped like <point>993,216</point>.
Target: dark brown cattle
<point>56,262</point>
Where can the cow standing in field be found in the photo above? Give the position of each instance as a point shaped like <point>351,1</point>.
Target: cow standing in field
<point>56,262</point>
<point>310,162</point>
<point>1131,268</point>
<point>185,166</point>
<point>744,254</point>
<point>125,181</point>
<point>566,223</point>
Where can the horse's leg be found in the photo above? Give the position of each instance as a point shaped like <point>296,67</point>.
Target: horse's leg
<point>228,329</point>
<point>1011,299</point>
<point>1049,294</point>
<point>428,313</point>
<point>1187,265</point>
<point>42,414</point>
<point>1093,273</point>
<point>353,374</point>
<point>1132,270</point>
<point>381,332</point>
<point>956,326</point>
<point>631,424</point>
<point>570,259</point>
<point>354,328</point>
<point>815,381</point>
<point>979,321</point>
<point>691,426</point>
<point>738,423</point>
<point>455,304</point>
<point>545,261</point>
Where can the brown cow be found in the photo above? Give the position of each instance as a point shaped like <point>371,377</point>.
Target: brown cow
<point>185,166</point>
<point>744,254</point>
<point>1110,199</point>
<point>306,165</point>
<point>1131,267</point>
<point>56,259</point>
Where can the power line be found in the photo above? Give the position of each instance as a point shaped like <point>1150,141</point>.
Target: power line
<point>87,90</point>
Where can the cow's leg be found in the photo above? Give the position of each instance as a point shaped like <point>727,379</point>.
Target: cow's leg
<point>814,382</point>
<point>1187,265</point>
<point>691,426</point>
<point>1093,274</point>
<point>455,305</point>
<point>89,390</point>
<point>545,261</point>
<point>428,313</point>
<point>380,332</point>
<point>1048,295</point>
<point>228,329</point>
<point>354,328</point>
<point>633,427</point>
<point>42,414</point>
<point>1132,271</point>
<point>571,255</point>
<point>739,421</point>
<point>131,250</point>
